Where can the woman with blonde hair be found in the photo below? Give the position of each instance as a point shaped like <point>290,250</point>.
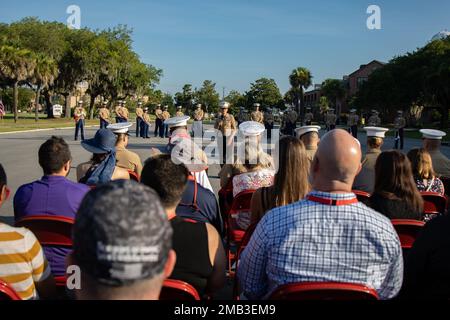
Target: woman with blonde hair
<point>424,175</point>
<point>291,182</point>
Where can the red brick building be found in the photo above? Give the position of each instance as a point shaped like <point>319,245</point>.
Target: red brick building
<point>357,78</point>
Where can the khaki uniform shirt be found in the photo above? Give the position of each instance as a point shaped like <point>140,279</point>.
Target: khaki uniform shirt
<point>104,114</point>
<point>225,123</point>
<point>139,112</point>
<point>118,110</point>
<point>198,115</point>
<point>374,121</point>
<point>158,114</point>
<point>365,180</point>
<point>441,164</point>
<point>179,114</point>
<point>257,116</point>
<point>128,160</point>
<point>165,115</point>
<point>352,120</point>
<point>146,117</point>
<point>330,119</point>
<point>400,122</point>
<point>125,113</point>
<point>309,116</point>
<point>79,113</point>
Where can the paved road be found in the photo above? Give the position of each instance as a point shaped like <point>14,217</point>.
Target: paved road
<point>18,154</point>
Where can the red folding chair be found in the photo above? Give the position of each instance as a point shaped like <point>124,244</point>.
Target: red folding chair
<point>407,231</point>
<point>245,240</point>
<point>434,203</point>
<point>324,291</point>
<point>134,176</point>
<point>362,196</point>
<point>7,292</point>
<point>241,203</point>
<point>51,231</point>
<point>177,290</point>
<point>226,198</point>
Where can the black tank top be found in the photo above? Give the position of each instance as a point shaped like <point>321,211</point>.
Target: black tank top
<point>190,242</point>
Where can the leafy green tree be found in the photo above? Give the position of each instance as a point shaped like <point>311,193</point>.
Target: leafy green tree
<point>334,90</point>
<point>208,96</point>
<point>300,79</point>
<point>185,98</point>
<point>266,92</point>
<point>44,74</point>
<point>236,100</point>
<point>16,66</point>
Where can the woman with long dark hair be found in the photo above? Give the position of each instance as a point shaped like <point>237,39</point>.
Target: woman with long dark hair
<point>395,193</point>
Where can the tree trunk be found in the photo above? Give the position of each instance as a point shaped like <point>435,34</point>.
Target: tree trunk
<point>91,107</point>
<point>36,103</point>
<point>48,103</point>
<point>68,111</point>
<point>15,100</point>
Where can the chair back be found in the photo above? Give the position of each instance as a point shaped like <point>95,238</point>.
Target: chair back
<point>7,292</point>
<point>177,290</point>
<point>446,182</point>
<point>324,291</point>
<point>242,202</point>
<point>407,231</point>
<point>434,203</point>
<point>134,176</point>
<point>362,196</point>
<point>49,230</point>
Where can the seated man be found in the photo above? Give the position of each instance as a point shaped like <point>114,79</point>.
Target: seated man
<point>329,236</point>
<point>53,194</point>
<point>125,158</point>
<point>365,180</point>
<point>23,264</point>
<point>200,254</point>
<point>122,243</point>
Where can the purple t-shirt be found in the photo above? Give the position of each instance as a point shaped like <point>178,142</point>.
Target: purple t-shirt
<point>55,196</point>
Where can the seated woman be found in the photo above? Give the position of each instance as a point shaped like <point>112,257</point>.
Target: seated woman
<point>291,180</point>
<point>395,193</point>
<point>424,175</point>
<point>102,168</point>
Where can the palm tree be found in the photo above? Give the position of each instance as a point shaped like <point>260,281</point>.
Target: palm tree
<point>16,65</point>
<point>300,79</point>
<point>45,72</point>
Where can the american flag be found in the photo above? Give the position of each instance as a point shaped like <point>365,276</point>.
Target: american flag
<point>2,108</point>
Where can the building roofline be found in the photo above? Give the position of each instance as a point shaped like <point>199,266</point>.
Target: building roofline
<point>365,65</point>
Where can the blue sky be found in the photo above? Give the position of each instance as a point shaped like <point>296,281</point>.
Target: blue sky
<point>235,42</point>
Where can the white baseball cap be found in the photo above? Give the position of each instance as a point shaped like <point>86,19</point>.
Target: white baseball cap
<point>224,105</point>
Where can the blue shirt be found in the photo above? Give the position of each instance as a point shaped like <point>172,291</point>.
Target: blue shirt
<point>207,209</point>
<point>52,195</point>
<point>309,241</point>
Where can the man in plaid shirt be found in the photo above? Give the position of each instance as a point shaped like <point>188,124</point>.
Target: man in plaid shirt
<point>329,236</point>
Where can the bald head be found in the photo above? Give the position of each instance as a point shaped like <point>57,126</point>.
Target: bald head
<point>337,162</point>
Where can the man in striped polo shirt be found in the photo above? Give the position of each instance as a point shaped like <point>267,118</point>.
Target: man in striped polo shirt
<point>22,262</point>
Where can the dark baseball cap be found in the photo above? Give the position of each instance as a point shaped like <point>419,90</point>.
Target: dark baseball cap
<point>121,234</point>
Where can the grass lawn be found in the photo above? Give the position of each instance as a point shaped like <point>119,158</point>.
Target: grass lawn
<point>27,122</point>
